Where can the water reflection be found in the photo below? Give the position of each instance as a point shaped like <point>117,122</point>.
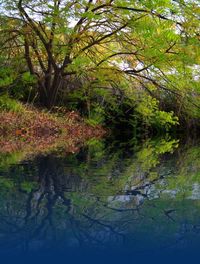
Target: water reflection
<point>144,198</point>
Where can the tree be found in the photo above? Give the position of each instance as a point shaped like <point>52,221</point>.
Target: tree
<point>149,45</point>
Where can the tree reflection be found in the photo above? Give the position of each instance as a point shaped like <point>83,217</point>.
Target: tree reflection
<point>100,197</point>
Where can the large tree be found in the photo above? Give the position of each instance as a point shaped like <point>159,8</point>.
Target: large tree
<point>152,44</point>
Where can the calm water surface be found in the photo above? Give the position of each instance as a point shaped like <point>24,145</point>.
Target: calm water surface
<point>112,201</point>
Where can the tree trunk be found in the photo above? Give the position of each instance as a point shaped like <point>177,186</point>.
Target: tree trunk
<point>49,89</point>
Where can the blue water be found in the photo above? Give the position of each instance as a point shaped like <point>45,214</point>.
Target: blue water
<point>113,202</point>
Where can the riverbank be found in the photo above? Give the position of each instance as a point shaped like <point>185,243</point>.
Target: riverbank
<point>38,130</point>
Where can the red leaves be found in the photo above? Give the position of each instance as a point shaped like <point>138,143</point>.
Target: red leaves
<point>37,131</point>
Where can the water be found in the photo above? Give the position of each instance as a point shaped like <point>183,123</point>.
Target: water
<point>111,202</point>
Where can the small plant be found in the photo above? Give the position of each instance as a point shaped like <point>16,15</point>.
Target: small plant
<point>10,105</point>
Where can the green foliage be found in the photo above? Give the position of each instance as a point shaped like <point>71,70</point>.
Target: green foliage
<point>150,113</point>
<point>165,119</point>
<point>6,184</point>
<point>7,77</point>
<point>97,115</point>
<point>145,63</point>
<point>148,156</point>
<point>8,104</point>
<point>28,78</point>
<point>25,88</point>
<point>6,160</point>
<point>28,186</point>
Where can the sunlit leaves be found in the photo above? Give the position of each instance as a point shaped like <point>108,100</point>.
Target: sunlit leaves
<point>149,110</point>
